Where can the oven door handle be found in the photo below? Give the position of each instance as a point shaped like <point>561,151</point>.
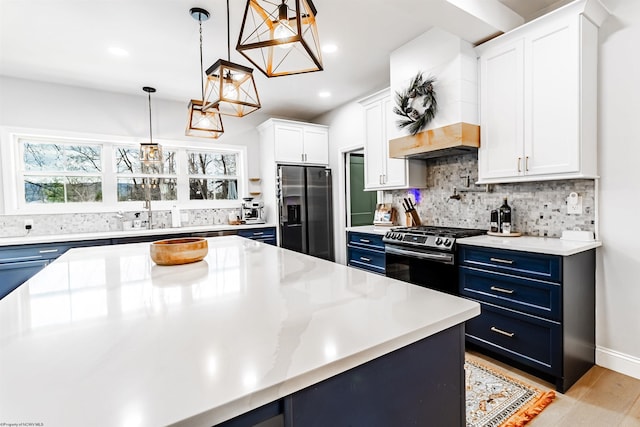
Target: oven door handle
<point>435,256</point>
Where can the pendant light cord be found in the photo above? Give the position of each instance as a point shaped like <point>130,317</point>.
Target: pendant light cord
<point>228,37</point>
<point>150,131</point>
<point>201,63</point>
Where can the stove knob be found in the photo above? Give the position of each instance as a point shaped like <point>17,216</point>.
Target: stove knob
<point>447,243</point>
<point>438,241</point>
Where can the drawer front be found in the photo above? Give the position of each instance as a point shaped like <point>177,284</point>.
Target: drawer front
<point>526,295</point>
<point>364,240</point>
<point>32,252</point>
<point>529,340</point>
<point>536,266</point>
<point>258,233</point>
<point>367,259</point>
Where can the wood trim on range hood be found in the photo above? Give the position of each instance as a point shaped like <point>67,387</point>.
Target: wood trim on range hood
<point>458,138</point>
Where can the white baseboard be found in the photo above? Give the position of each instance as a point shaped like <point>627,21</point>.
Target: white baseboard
<point>619,362</point>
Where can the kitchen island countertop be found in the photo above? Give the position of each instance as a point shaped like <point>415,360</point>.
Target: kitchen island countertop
<point>105,337</point>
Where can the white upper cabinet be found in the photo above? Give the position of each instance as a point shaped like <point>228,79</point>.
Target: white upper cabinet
<point>381,171</point>
<point>538,99</point>
<point>297,142</point>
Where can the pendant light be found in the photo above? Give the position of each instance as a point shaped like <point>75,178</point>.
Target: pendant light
<point>207,124</point>
<point>230,86</point>
<point>281,39</point>
<point>150,153</point>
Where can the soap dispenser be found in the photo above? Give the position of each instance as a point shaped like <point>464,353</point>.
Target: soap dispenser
<point>137,223</point>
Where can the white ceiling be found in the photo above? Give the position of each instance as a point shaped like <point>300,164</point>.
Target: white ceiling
<point>67,42</point>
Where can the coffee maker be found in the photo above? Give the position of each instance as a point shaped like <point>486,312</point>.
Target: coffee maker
<point>252,211</point>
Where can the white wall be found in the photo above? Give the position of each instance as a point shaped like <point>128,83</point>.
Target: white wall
<point>618,269</point>
<point>37,105</point>
<point>346,133</point>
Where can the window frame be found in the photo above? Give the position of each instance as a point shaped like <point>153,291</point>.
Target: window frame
<point>12,189</point>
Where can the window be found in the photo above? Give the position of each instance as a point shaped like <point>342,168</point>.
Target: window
<point>72,173</point>
<point>135,183</point>
<point>212,176</point>
<point>62,173</point>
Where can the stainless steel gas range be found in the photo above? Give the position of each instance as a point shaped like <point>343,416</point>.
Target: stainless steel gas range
<point>425,255</point>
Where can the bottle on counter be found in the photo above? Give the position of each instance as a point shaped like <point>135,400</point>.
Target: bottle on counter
<point>494,221</point>
<point>504,216</point>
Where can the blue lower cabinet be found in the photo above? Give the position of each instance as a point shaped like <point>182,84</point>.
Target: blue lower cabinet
<point>13,274</point>
<point>265,235</point>
<point>19,263</point>
<point>527,339</point>
<point>537,310</point>
<point>366,251</point>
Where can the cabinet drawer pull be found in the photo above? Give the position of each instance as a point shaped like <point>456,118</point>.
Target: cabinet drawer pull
<point>365,241</point>
<point>504,291</point>
<point>501,332</point>
<point>258,233</point>
<point>48,251</point>
<point>502,261</point>
<point>365,259</point>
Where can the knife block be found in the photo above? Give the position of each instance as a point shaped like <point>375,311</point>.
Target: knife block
<point>412,218</point>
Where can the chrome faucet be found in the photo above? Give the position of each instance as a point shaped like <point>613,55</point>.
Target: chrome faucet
<point>147,201</point>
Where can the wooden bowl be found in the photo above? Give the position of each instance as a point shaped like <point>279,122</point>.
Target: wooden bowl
<point>179,251</point>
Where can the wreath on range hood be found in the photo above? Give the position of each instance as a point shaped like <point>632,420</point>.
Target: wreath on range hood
<point>422,95</point>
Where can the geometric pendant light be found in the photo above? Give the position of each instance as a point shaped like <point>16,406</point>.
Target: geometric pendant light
<point>201,122</point>
<point>281,39</point>
<point>230,87</point>
<point>150,153</point>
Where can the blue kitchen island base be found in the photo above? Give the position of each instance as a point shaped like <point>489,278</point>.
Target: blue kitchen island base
<point>419,384</point>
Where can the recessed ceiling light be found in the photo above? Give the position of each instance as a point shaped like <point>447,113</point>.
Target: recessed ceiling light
<point>329,48</point>
<point>324,94</point>
<point>117,51</point>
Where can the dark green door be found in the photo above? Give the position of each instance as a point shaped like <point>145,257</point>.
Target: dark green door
<point>363,203</point>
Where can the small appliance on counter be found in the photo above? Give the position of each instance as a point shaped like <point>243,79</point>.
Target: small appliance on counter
<point>252,211</point>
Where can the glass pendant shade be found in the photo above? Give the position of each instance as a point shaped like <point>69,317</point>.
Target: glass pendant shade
<point>150,154</point>
<point>206,124</point>
<point>281,39</point>
<point>231,89</point>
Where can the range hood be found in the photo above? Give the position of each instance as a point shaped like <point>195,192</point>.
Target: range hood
<point>452,62</point>
<point>458,138</point>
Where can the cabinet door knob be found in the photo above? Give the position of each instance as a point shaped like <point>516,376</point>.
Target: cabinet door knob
<point>501,332</point>
<point>504,291</point>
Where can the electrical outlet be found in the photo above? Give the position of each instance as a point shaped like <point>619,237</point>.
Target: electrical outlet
<point>574,204</point>
<point>28,224</point>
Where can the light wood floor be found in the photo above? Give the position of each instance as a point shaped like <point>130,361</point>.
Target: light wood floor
<point>601,398</point>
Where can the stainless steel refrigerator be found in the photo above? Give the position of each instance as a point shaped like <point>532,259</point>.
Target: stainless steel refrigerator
<point>305,210</point>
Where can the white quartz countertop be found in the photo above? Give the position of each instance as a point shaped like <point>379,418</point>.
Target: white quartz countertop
<point>370,229</point>
<point>544,245</point>
<point>56,238</point>
<point>104,337</point>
